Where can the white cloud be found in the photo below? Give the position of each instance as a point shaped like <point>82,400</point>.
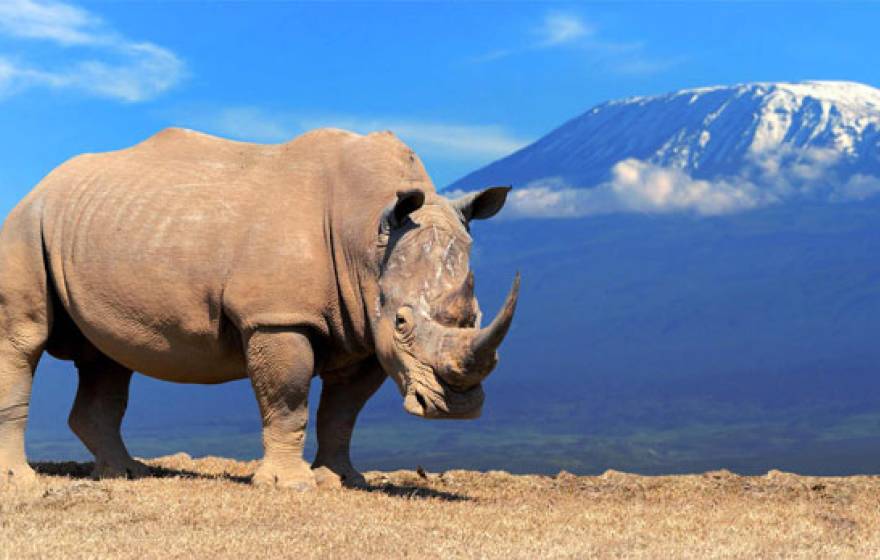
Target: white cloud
<point>246,123</point>
<point>554,30</point>
<point>55,21</point>
<point>91,58</point>
<point>636,64</point>
<point>789,163</point>
<point>492,55</point>
<point>558,29</point>
<point>857,187</point>
<point>456,141</point>
<point>452,140</point>
<point>641,187</point>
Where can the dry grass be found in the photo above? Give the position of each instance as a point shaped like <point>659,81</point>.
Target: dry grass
<point>205,509</point>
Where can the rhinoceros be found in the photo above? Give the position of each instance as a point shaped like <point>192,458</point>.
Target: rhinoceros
<point>195,259</point>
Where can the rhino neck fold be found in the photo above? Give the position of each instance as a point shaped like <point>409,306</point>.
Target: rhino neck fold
<point>350,329</point>
<point>365,179</point>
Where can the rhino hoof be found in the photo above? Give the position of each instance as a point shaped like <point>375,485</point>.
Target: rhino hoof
<point>327,478</point>
<point>289,478</point>
<point>130,469</point>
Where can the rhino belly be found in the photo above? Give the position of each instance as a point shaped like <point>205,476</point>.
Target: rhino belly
<point>165,344</point>
<point>161,318</point>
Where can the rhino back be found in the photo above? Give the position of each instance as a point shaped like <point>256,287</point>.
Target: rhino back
<point>160,253</point>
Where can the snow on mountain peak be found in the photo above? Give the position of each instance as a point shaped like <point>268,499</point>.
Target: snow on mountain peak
<point>841,92</point>
<point>749,144</point>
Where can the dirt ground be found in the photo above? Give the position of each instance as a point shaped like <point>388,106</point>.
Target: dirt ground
<point>205,508</point>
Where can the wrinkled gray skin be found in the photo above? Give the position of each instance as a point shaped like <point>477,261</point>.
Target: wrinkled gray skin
<point>199,260</point>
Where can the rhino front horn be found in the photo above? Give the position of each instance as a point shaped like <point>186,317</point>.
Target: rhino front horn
<point>489,339</point>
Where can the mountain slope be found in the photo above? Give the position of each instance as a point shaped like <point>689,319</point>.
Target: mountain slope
<point>752,129</point>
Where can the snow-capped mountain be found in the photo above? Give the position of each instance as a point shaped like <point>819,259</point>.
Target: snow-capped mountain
<point>761,133</point>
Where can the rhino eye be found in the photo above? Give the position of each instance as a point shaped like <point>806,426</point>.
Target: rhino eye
<point>403,320</point>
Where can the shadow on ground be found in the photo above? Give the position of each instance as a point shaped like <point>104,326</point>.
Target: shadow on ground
<point>415,492</point>
<point>83,471</point>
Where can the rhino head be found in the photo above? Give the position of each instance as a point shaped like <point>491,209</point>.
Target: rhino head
<point>427,325</point>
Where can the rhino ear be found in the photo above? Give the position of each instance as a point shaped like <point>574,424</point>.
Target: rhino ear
<point>395,214</point>
<point>483,204</point>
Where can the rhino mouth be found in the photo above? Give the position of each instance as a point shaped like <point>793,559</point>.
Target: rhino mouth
<point>442,400</point>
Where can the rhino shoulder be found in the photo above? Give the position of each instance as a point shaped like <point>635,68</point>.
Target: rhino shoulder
<point>183,143</point>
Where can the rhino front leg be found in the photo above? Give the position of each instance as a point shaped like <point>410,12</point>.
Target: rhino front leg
<point>17,363</point>
<point>280,365</point>
<point>96,417</point>
<point>342,398</point>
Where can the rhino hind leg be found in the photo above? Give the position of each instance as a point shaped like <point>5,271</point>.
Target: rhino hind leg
<point>341,401</point>
<point>280,366</point>
<point>96,417</point>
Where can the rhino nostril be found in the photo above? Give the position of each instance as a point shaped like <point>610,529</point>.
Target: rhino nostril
<point>422,401</point>
<point>459,385</point>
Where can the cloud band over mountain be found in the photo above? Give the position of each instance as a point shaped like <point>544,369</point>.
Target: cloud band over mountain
<point>708,152</point>
<point>643,187</point>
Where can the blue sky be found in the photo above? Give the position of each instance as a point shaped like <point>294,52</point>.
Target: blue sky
<point>463,84</point>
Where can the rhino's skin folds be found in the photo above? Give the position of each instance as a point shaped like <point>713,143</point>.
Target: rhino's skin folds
<point>195,259</point>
